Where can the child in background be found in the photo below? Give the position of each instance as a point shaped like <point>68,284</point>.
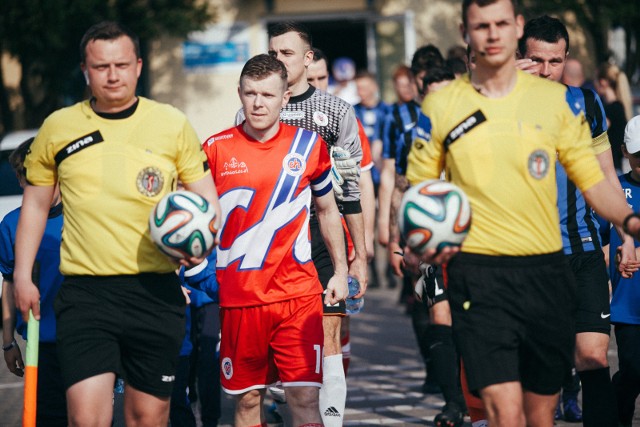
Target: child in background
<point>51,401</point>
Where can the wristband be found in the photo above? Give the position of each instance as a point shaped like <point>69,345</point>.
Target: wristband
<point>626,221</point>
<point>10,346</point>
<point>350,208</point>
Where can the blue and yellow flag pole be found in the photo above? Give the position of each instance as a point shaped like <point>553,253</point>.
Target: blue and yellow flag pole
<point>31,373</point>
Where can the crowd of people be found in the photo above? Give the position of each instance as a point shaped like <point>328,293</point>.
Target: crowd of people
<point>511,325</point>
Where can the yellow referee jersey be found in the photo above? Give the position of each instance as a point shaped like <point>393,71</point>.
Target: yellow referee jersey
<point>111,173</point>
<point>502,153</point>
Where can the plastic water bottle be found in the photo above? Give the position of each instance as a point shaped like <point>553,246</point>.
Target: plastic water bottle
<point>119,386</point>
<point>354,305</point>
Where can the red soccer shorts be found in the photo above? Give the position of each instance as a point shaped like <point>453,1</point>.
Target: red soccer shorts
<point>278,341</point>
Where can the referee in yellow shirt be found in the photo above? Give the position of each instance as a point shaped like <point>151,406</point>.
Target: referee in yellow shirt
<point>120,309</point>
<point>497,135</point>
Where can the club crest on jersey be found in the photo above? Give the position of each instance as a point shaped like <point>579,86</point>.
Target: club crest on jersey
<point>150,181</point>
<point>227,368</point>
<point>320,118</point>
<point>538,164</point>
<point>294,164</point>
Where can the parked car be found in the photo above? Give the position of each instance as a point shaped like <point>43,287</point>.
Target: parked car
<point>10,191</point>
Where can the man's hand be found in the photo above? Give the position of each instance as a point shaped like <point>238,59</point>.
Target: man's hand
<point>13,359</point>
<point>626,261</point>
<point>186,293</point>
<point>27,297</point>
<point>194,261</point>
<point>337,290</point>
<point>396,258</point>
<point>343,168</point>
<point>527,65</point>
<point>358,269</point>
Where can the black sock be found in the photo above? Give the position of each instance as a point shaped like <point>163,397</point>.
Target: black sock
<point>599,407</point>
<point>445,363</point>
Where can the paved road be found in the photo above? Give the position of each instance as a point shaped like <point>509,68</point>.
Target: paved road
<point>384,379</point>
<point>387,372</point>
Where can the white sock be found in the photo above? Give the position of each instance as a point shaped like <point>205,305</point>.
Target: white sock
<point>333,393</point>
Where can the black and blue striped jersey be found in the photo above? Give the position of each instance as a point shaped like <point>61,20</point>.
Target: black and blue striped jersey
<point>578,226</point>
<point>399,132</point>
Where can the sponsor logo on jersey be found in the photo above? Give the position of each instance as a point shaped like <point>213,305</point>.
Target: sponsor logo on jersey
<point>464,127</point>
<point>294,164</point>
<point>218,138</point>
<point>320,118</point>
<point>234,167</point>
<point>227,368</point>
<point>168,378</point>
<point>291,115</point>
<point>410,126</point>
<point>78,145</point>
<point>604,316</point>
<point>538,164</point>
<point>149,181</point>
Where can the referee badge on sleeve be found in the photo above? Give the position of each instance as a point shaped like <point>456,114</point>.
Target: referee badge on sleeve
<point>538,164</point>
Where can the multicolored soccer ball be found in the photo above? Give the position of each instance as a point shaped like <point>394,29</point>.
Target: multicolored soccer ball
<point>183,225</point>
<point>434,214</point>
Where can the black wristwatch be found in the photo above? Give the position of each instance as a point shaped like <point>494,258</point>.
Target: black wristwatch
<point>10,346</point>
<point>626,221</point>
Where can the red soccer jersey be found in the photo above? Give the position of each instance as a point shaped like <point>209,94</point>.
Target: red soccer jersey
<point>265,191</point>
<point>367,160</point>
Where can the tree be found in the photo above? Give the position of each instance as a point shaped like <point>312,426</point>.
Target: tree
<point>597,17</point>
<point>44,35</point>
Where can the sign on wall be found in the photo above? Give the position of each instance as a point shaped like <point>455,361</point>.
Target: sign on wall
<point>220,46</point>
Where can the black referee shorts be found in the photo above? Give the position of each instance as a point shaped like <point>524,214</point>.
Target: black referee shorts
<point>130,325</point>
<point>513,319</point>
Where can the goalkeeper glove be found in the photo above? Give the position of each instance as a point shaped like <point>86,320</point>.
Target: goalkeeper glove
<point>343,168</point>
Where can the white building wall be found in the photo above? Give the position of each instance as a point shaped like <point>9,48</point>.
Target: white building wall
<point>208,96</point>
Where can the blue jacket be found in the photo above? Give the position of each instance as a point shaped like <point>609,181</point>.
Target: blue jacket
<point>201,281</point>
<point>46,267</point>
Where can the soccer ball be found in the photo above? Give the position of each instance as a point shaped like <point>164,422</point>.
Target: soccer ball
<point>182,225</point>
<point>434,214</point>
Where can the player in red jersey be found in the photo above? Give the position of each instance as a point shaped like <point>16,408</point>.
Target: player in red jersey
<point>271,313</point>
